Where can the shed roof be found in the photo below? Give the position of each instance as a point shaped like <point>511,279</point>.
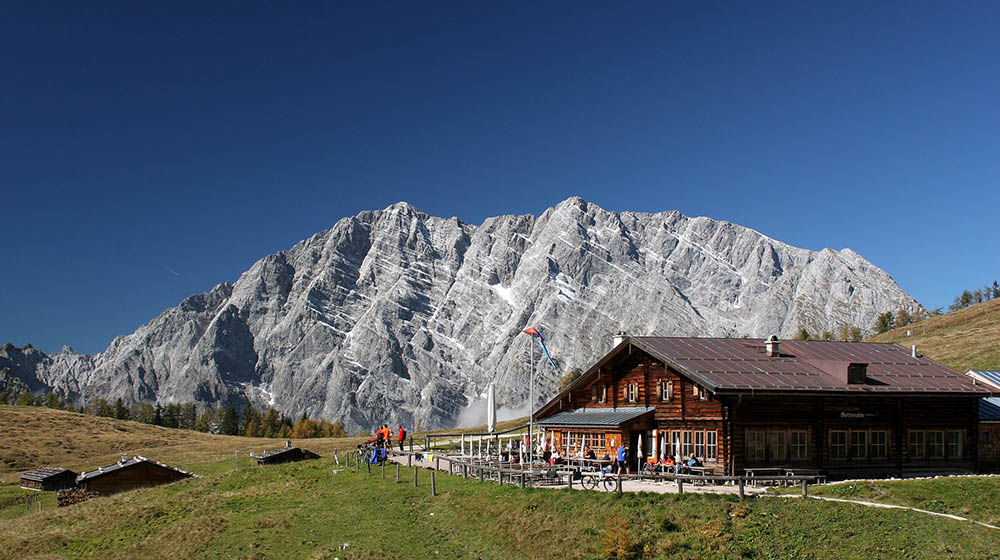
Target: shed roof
<point>45,473</point>
<point>989,375</point>
<point>127,464</point>
<point>743,364</point>
<point>989,409</point>
<point>596,417</point>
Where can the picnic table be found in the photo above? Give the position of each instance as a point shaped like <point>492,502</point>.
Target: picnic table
<point>762,472</point>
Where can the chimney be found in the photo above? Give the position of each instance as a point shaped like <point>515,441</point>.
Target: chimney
<point>618,339</point>
<point>771,345</point>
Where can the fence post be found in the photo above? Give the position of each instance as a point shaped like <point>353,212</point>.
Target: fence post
<point>680,485</point>
<point>500,477</point>
<point>383,469</point>
<point>437,463</point>
<point>482,473</point>
<point>804,491</point>
<point>415,470</point>
<point>427,443</point>
<point>742,482</point>
<point>465,470</point>
<point>619,485</point>
<point>397,472</point>
<point>411,443</point>
<point>409,460</point>
<point>433,487</point>
<point>569,481</point>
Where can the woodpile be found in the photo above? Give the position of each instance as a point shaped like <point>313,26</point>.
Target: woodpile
<point>74,496</point>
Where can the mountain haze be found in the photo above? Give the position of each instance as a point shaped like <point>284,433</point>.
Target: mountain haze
<point>397,316</point>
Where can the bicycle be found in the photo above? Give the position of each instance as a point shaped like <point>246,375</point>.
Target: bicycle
<point>594,481</point>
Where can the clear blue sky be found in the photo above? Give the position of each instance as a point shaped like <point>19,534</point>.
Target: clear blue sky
<point>150,150</point>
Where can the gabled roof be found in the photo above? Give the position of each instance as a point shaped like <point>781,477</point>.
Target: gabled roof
<point>735,364</point>
<point>990,376</point>
<point>45,473</point>
<point>989,409</point>
<point>127,464</point>
<point>596,417</point>
<point>742,365</point>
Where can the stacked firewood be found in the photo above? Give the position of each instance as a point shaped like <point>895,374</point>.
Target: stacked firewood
<point>74,496</point>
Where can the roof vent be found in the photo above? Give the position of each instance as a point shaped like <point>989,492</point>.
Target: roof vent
<point>771,345</point>
<point>618,339</point>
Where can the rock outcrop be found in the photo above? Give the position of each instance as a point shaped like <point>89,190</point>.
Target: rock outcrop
<point>396,316</point>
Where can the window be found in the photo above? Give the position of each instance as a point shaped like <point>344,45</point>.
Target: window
<point>593,393</point>
<point>859,444</point>
<point>838,444</point>
<point>935,444</point>
<point>676,447</point>
<point>777,440</point>
<point>987,437</point>
<point>699,443</point>
<point>686,444</point>
<point>916,444</point>
<point>955,444</point>
<point>666,391</point>
<point>800,445</point>
<point>879,444</point>
<point>711,449</point>
<point>632,392</point>
<point>603,394</point>
<point>755,445</point>
<point>697,391</point>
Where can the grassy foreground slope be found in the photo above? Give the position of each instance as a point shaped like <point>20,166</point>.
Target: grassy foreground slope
<point>965,339</point>
<point>309,511</point>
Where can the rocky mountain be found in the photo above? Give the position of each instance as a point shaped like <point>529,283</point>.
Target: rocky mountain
<point>397,316</point>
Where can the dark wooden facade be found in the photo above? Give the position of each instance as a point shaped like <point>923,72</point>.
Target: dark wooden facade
<point>48,479</point>
<point>842,433</point>
<point>130,475</point>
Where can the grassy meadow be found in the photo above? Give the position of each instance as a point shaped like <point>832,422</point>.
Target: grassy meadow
<point>318,510</point>
<point>965,339</point>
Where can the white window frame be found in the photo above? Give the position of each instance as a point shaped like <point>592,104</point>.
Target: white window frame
<point>685,444</point>
<point>777,445</point>
<point>798,445</point>
<point>756,445</point>
<point>878,451</point>
<point>842,446</point>
<point>632,392</point>
<point>666,390</point>
<point>953,448</point>
<point>932,445</point>
<point>919,446</point>
<point>699,443</point>
<point>857,440</point>
<point>711,445</point>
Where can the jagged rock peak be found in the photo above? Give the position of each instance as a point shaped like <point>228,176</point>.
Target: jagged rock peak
<point>396,316</point>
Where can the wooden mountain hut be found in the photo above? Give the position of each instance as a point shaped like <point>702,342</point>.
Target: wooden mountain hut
<point>843,409</point>
<point>129,474</point>
<point>285,455</point>
<point>48,479</point>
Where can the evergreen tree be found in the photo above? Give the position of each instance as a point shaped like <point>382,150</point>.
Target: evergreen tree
<point>26,398</point>
<point>121,413</point>
<point>884,322</point>
<point>827,335</point>
<point>855,335</point>
<point>995,289</point>
<point>171,415</point>
<point>158,415</point>
<point>271,424</point>
<point>803,335</point>
<point>52,400</point>
<point>204,422</point>
<point>188,416</point>
<point>230,425</point>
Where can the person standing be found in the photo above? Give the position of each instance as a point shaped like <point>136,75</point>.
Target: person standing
<point>402,436</point>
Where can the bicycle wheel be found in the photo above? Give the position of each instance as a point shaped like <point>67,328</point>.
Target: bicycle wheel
<point>589,482</point>
<point>609,484</point>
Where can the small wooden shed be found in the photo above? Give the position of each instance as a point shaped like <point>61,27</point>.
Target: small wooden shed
<point>285,455</point>
<point>48,479</point>
<point>129,474</point>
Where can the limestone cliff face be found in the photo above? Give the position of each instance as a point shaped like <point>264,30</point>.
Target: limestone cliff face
<point>396,316</point>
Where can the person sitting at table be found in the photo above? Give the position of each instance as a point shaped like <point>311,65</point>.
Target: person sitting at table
<point>589,453</point>
<point>694,462</point>
<point>555,458</point>
<point>669,461</point>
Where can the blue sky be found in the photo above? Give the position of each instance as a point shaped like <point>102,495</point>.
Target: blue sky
<point>149,152</point>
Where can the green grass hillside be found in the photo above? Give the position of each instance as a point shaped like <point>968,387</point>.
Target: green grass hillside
<point>307,510</point>
<point>965,339</point>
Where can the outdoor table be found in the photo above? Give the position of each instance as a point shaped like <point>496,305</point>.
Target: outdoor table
<point>753,472</point>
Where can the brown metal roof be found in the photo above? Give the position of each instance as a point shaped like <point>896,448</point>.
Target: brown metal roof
<point>742,364</point>
<point>45,473</point>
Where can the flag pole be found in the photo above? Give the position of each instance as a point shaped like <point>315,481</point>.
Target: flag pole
<point>531,401</point>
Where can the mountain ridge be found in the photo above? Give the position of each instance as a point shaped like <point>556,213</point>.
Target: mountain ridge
<point>396,316</point>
